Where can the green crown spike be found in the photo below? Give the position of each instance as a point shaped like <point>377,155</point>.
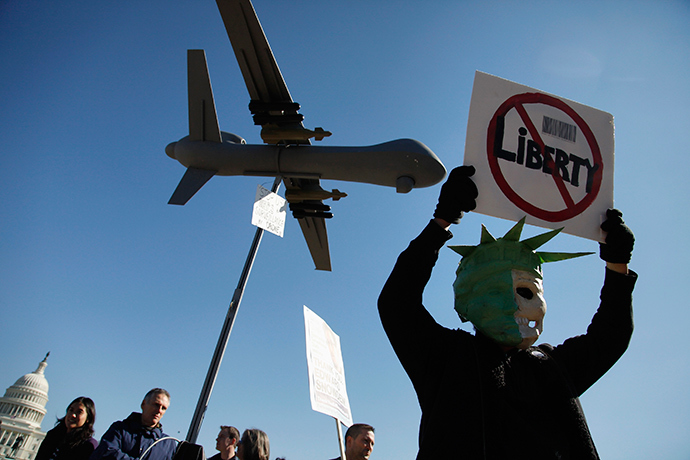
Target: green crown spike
<point>486,236</point>
<point>509,250</point>
<point>558,256</point>
<point>514,233</point>
<point>464,251</point>
<point>538,241</point>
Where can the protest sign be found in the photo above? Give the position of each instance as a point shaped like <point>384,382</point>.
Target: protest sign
<point>540,156</point>
<point>269,211</point>
<point>326,371</point>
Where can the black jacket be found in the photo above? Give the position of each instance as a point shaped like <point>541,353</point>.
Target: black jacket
<point>481,403</point>
<point>54,447</point>
<point>127,439</point>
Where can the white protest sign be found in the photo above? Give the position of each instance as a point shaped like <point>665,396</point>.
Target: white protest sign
<point>326,370</point>
<point>540,156</point>
<point>269,211</point>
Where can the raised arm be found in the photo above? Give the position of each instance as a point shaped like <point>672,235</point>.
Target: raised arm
<point>588,357</point>
<point>409,326</point>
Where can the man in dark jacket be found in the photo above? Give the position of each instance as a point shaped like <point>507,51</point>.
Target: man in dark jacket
<point>135,436</point>
<point>226,443</point>
<point>493,395</point>
<point>359,442</point>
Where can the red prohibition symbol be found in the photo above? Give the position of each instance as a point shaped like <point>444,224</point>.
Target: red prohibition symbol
<point>572,208</point>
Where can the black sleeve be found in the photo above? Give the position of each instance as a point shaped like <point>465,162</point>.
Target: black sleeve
<point>408,325</point>
<point>587,357</point>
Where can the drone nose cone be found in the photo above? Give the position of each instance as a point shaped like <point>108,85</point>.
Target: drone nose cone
<point>170,150</point>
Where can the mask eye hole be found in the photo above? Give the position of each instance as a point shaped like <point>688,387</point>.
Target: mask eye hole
<point>524,292</point>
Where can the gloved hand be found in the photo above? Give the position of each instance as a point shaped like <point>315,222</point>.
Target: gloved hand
<point>458,194</point>
<point>619,239</point>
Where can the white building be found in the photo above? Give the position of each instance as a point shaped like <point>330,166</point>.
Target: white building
<point>21,412</point>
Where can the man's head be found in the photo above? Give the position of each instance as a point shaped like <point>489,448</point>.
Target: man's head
<point>499,289</point>
<point>153,407</point>
<point>227,438</point>
<point>359,441</point>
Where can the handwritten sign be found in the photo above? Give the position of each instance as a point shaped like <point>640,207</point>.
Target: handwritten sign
<point>540,156</point>
<point>326,370</point>
<point>269,211</point>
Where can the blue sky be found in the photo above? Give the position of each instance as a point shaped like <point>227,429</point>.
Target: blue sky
<point>129,293</point>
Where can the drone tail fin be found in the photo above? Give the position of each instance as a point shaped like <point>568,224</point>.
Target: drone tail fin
<point>203,122</point>
<point>190,183</point>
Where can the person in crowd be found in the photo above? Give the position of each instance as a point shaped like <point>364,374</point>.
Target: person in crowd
<point>139,434</point>
<point>72,436</point>
<point>359,442</point>
<point>492,394</point>
<point>226,443</point>
<point>254,445</point>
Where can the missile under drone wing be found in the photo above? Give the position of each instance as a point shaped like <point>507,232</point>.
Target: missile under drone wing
<point>276,112</point>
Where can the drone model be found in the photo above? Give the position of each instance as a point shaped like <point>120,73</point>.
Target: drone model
<point>287,151</point>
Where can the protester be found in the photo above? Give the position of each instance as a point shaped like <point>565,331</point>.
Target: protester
<point>254,445</point>
<point>226,443</point>
<point>139,433</point>
<point>359,442</point>
<point>493,395</point>
<point>72,437</point>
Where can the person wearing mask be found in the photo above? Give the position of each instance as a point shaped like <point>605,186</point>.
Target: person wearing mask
<point>494,394</point>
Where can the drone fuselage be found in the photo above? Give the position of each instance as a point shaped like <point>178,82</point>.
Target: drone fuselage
<point>403,163</point>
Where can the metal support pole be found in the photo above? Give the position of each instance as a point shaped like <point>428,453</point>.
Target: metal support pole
<point>210,381</point>
<point>341,443</point>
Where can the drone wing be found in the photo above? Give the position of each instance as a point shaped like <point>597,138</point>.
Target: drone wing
<point>275,111</point>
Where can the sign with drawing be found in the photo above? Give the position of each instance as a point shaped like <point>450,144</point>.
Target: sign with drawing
<point>540,156</point>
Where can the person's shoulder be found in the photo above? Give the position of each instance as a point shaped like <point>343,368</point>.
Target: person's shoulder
<point>133,417</point>
<point>85,448</point>
<point>132,421</point>
<point>462,333</point>
<point>57,430</point>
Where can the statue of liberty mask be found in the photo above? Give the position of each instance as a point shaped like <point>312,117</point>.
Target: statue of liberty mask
<point>498,287</point>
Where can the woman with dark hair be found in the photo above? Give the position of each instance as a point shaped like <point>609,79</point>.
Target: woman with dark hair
<point>254,445</point>
<point>72,437</point>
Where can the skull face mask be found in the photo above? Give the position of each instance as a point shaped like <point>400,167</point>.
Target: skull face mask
<point>499,289</point>
<point>531,306</point>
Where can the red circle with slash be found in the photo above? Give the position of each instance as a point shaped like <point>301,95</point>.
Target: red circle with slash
<point>572,208</point>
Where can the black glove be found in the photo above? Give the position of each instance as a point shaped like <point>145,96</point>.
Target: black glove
<point>619,239</point>
<point>458,194</point>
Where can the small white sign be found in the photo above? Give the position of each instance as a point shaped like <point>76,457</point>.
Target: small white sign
<point>326,371</point>
<point>269,212</point>
<point>540,156</point>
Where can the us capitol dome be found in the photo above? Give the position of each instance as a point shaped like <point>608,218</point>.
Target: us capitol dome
<point>21,412</point>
